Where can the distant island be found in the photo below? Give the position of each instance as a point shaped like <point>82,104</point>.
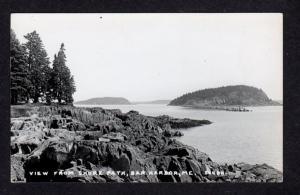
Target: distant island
<point>232,98</point>
<point>154,102</point>
<point>104,100</point>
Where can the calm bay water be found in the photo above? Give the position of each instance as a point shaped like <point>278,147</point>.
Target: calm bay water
<point>252,137</point>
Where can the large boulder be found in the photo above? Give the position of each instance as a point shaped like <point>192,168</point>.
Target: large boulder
<point>180,152</point>
<point>58,154</point>
<point>108,126</point>
<point>26,141</point>
<point>118,156</point>
<point>266,173</point>
<point>116,137</point>
<point>16,124</point>
<point>28,123</point>
<point>76,126</point>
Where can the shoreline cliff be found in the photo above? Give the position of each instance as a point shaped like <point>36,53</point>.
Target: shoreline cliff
<point>95,140</point>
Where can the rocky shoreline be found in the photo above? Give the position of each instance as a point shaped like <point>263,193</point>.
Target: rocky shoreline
<point>51,143</point>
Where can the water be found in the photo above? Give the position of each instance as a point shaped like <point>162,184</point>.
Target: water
<point>252,137</point>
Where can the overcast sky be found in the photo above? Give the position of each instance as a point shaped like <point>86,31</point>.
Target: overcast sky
<point>162,56</point>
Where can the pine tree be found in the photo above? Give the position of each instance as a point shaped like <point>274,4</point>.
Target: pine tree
<point>71,90</point>
<point>20,84</point>
<point>39,70</point>
<point>63,85</point>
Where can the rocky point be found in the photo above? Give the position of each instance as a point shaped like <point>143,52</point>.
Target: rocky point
<point>47,140</point>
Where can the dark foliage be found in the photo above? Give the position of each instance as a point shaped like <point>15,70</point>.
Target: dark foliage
<point>39,69</point>
<point>31,76</point>
<point>229,95</point>
<point>62,81</point>
<point>20,83</point>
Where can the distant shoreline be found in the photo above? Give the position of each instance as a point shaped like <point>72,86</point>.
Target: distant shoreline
<point>233,108</point>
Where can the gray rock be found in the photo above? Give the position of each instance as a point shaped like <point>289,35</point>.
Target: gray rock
<point>121,164</point>
<point>91,139</point>
<point>118,137</point>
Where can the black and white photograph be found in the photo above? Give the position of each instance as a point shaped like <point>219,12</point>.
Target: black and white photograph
<point>146,97</point>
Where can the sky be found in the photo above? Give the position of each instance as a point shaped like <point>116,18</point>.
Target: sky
<point>144,57</point>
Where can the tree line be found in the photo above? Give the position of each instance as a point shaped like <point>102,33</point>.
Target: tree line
<point>231,95</point>
<point>32,78</point>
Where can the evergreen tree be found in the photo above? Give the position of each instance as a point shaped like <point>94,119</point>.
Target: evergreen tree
<point>71,90</point>
<point>63,85</point>
<point>20,84</point>
<point>39,70</point>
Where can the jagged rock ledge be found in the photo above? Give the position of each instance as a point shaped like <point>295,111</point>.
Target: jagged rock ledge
<point>96,140</point>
